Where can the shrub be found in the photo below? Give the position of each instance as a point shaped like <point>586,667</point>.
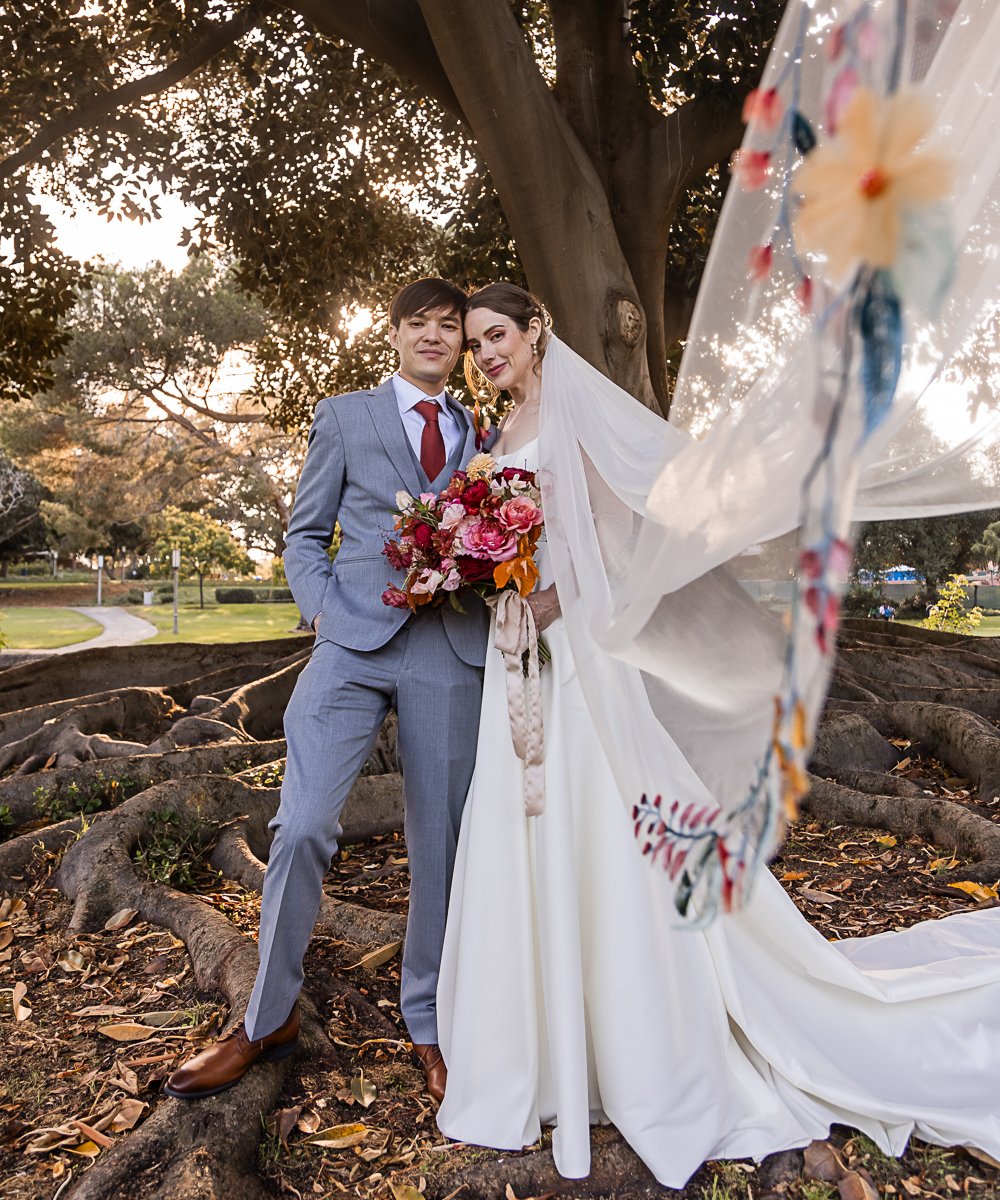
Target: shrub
<point>949,613</point>
<point>278,595</point>
<point>235,595</point>
<point>861,601</point>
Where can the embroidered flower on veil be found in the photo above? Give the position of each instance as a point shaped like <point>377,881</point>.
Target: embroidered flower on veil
<point>866,189</point>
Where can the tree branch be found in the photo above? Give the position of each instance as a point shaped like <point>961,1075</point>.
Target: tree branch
<point>393,32</point>
<point>95,111</point>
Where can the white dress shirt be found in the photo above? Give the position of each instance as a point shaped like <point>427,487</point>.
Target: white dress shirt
<point>407,396</point>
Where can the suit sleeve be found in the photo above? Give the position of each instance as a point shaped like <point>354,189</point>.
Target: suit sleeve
<point>314,514</point>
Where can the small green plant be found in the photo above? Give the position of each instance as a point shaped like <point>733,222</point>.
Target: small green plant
<point>96,793</point>
<point>6,822</point>
<point>169,852</point>
<point>949,614</point>
<point>813,1189</point>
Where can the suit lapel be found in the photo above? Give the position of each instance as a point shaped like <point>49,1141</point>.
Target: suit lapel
<point>384,412</point>
<point>465,419</point>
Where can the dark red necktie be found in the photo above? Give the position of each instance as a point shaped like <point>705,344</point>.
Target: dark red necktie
<point>432,456</point>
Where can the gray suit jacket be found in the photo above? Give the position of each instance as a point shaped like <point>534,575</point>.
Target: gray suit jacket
<point>358,459</point>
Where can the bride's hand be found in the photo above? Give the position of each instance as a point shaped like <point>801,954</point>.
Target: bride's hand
<point>544,607</point>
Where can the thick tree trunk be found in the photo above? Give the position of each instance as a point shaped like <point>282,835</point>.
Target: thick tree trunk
<point>551,194</point>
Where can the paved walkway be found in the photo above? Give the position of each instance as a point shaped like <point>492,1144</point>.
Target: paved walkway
<point>120,628</point>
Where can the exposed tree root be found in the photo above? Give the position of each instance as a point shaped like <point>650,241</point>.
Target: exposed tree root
<point>20,793</point>
<point>115,667</point>
<point>134,709</point>
<point>194,1150</point>
<point>18,854</point>
<point>89,731</point>
<point>946,824</point>
<point>615,1170</point>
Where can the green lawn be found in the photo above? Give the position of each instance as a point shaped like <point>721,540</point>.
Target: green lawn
<point>988,627</point>
<point>45,628</point>
<point>221,622</point>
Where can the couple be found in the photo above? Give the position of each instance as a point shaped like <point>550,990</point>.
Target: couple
<point>560,990</point>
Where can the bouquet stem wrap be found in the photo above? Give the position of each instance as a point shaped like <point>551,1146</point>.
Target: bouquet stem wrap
<point>516,636</point>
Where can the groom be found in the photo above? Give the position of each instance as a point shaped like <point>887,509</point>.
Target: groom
<point>363,448</point>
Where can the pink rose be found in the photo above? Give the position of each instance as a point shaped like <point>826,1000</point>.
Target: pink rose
<point>520,514</point>
<point>452,515</point>
<point>487,539</point>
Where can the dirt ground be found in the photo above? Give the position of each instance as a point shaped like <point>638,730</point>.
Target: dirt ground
<point>91,1025</point>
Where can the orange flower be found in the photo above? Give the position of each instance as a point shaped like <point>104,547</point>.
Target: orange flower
<point>861,187</point>
<point>520,570</point>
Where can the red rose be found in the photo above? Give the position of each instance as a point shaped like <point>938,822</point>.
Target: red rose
<point>474,570</point>
<point>475,494</point>
<point>423,536</point>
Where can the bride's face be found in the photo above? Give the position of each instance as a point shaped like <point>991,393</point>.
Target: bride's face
<point>501,349</point>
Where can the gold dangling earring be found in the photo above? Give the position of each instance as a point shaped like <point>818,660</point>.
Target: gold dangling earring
<point>534,349</point>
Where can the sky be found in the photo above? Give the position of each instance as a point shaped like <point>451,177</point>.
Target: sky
<point>86,235</point>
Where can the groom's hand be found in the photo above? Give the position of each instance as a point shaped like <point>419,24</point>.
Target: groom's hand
<point>315,622</point>
<point>544,607</point>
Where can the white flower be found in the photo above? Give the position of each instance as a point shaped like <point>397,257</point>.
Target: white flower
<point>404,501</point>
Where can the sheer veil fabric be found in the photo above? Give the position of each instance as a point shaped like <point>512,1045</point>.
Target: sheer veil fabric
<point>674,545</point>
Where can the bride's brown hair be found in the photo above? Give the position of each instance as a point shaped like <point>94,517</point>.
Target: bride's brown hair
<point>520,306</point>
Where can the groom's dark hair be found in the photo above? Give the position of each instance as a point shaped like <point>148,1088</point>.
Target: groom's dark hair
<point>425,295</point>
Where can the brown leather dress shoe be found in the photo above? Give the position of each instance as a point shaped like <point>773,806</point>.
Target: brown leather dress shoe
<point>432,1065</point>
<point>224,1064</point>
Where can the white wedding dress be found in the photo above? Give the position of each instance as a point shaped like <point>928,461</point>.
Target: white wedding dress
<point>568,994</point>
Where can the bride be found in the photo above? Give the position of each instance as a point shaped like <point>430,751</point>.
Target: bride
<point>568,993</point>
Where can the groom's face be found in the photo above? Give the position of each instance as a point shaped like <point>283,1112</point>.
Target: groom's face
<point>428,344</point>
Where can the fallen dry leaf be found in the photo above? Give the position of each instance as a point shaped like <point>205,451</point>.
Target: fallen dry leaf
<point>22,1010</point>
<point>818,897</point>
<point>363,1090</point>
<point>822,1162</point>
<point>128,1114</point>
<point>405,1191</point>
<point>93,1134</point>
<point>978,891</point>
<point>128,1031</point>
<point>982,1156</point>
<point>86,1149</point>
<point>339,1137</point>
<point>72,960</point>
<point>377,957</point>
<point>794,876</point>
<point>853,1186</point>
<point>121,918</point>
<point>285,1121</point>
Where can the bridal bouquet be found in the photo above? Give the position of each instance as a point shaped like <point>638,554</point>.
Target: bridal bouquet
<point>478,534</point>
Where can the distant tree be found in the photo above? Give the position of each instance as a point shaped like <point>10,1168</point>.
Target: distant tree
<point>338,149</point>
<point>986,551</point>
<point>205,546</point>
<point>22,530</point>
<point>936,547</point>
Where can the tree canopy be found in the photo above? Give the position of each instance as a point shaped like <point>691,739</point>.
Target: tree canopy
<point>336,150</point>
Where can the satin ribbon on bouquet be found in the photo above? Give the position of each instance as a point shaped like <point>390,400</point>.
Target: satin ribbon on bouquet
<point>516,636</point>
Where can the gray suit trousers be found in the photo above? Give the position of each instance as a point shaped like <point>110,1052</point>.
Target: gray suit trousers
<point>331,723</point>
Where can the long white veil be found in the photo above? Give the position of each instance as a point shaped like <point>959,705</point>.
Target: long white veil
<point>833,372</point>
